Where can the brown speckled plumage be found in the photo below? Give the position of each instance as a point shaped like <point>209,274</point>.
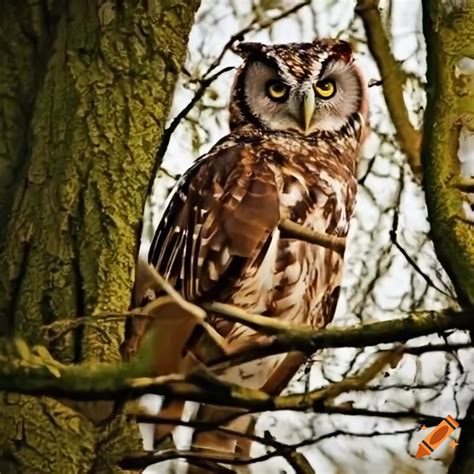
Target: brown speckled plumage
<point>219,237</point>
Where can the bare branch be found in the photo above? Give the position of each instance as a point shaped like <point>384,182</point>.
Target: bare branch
<point>302,338</point>
<point>44,376</point>
<point>298,462</point>
<point>140,461</point>
<point>191,308</point>
<point>263,324</point>
<point>253,26</point>
<point>326,408</point>
<point>297,231</point>
<point>409,259</point>
<point>168,132</point>
<point>26,372</point>
<point>418,350</point>
<point>393,79</point>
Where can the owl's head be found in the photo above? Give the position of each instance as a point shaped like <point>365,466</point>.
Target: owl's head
<point>300,87</point>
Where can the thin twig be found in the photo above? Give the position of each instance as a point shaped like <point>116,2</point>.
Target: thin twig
<point>263,324</point>
<point>408,258</point>
<point>326,408</point>
<point>168,132</point>
<point>362,180</point>
<point>419,350</point>
<point>253,26</point>
<point>191,308</point>
<point>208,79</point>
<point>140,461</point>
<point>207,426</point>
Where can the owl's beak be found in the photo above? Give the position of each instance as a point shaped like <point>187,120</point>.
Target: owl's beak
<point>308,108</point>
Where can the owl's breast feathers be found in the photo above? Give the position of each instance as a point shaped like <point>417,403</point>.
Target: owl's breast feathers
<point>219,236</point>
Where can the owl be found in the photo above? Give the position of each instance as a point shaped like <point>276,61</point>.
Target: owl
<point>297,118</point>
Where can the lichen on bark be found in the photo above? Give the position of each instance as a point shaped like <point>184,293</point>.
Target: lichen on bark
<point>449,33</point>
<point>87,88</point>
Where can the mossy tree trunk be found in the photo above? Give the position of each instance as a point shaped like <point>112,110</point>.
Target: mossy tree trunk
<point>85,89</point>
<point>449,34</point>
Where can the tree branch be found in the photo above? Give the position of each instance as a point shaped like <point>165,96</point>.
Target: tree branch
<point>394,239</point>
<point>308,340</point>
<point>463,459</point>
<point>35,371</point>
<point>140,461</point>
<point>233,395</point>
<point>298,462</point>
<point>327,408</point>
<point>254,26</point>
<point>393,79</point>
<point>297,231</point>
<point>465,185</point>
<point>170,129</point>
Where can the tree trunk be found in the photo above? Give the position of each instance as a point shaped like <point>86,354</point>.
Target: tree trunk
<point>85,88</point>
<point>449,33</point>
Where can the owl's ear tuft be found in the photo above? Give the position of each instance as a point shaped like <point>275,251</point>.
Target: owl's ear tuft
<point>337,47</point>
<point>247,49</point>
<point>344,49</point>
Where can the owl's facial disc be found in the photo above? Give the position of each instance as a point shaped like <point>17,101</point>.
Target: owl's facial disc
<point>278,94</point>
<point>298,87</point>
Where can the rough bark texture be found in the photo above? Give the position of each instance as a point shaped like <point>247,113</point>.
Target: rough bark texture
<point>449,33</point>
<point>85,89</point>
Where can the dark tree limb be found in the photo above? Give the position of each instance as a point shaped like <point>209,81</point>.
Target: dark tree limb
<point>464,459</point>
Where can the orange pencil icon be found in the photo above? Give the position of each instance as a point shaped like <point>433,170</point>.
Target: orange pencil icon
<point>437,436</point>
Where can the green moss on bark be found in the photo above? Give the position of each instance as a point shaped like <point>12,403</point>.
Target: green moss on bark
<point>24,44</point>
<point>449,33</point>
<point>97,79</point>
<point>97,121</point>
<point>38,433</point>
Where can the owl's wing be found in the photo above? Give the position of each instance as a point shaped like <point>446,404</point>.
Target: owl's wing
<point>217,223</point>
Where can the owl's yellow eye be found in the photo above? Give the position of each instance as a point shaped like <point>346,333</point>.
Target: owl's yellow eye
<point>325,88</point>
<point>277,90</point>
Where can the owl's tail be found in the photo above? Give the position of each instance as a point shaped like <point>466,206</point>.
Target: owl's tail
<point>179,345</point>
<point>231,437</point>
